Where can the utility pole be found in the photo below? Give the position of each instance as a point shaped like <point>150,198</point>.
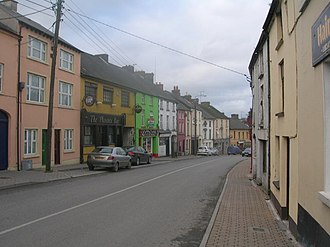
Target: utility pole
<point>51,86</point>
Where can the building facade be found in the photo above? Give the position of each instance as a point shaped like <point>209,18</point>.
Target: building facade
<point>239,132</point>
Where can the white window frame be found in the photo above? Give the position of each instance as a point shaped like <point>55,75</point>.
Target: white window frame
<point>66,60</point>
<point>30,141</point>
<point>325,195</point>
<point>68,139</point>
<point>63,94</point>
<point>161,122</point>
<point>40,88</point>
<point>33,44</point>
<point>1,76</point>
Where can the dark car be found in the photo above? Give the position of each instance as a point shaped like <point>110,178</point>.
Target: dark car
<point>246,152</point>
<point>109,157</point>
<point>138,155</point>
<point>233,150</point>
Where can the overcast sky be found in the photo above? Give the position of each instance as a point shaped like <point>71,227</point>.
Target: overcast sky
<point>222,32</point>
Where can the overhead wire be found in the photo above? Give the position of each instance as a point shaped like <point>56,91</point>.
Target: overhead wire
<point>100,39</point>
<point>19,15</point>
<point>116,48</point>
<point>29,7</point>
<point>163,46</point>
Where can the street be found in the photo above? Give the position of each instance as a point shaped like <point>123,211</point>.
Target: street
<point>159,205</point>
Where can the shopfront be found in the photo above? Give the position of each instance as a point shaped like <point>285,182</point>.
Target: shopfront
<point>148,139</point>
<point>100,130</point>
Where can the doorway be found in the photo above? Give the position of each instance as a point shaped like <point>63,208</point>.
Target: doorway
<point>3,141</point>
<point>57,146</point>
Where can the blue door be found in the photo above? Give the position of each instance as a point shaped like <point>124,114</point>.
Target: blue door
<point>3,141</point>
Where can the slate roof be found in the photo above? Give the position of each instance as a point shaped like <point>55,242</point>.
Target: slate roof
<point>237,124</point>
<point>95,67</point>
<point>206,106</point>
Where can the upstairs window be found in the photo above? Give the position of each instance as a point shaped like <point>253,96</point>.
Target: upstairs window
<point>65,94</point>
<point>35,88</point>
<point>37,49</point>
<point>66,60</point>
<point>161,105</point>
<point>90,90</point>
<point>107,95</point>
<point>124,98</point>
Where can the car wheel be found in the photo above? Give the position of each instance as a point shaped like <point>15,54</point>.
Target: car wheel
<point>137,161</point>
<point>90,167</point>
<point>116,167</point>
<point>129,166</point>
<point>149,160</point>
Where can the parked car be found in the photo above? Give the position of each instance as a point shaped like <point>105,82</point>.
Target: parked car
<point>214,151</point>
<point>204,151</point>
<point>233,150</point>
<point>138,155</point>
<point>110,157</point>
<point>246,152</point>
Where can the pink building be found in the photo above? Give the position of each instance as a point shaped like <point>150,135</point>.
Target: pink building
<point>34,59</point>
<point>8,97</point>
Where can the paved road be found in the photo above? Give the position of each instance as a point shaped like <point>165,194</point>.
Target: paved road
<point>158,205</point>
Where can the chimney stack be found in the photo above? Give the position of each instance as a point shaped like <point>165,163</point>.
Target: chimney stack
<point>234,116</point>
<point>160,86</point>
<point>176,91</point>
<point>10,4</point>
<point>104,57</point>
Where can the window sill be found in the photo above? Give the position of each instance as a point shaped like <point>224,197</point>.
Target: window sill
<point>325,198</point>
<point>277,184</point>
<point>279,114</point>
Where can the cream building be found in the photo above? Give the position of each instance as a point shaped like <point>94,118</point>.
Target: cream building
<point>298,33</point>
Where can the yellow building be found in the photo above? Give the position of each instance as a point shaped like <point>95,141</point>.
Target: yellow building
<point>239,132</point>
<point>299,75</point>
<point>107,104</point>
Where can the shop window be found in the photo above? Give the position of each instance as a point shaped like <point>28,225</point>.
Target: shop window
<point>88,135</point>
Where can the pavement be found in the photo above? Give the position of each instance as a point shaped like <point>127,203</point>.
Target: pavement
<point>243,216</point>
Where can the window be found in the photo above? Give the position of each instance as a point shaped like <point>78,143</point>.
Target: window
<point>167,122</point>
<point>35,88</point>
<point>65,94</point>
<point>107,95</point>
<point>161,104</point>
<point>151,100</point>
<point>68,139</point>
<point>90,90</point>
<point>1,76</point>
<point>143,99</point>
<point>37,49</point>
<point>173,123</point>
<point>30,141</point>
<point>167,106</point>
<point>210,124</point>
<point>161,122</point>
<point>66,60</point>
<point>210,134</point>
<point>281,68</point>
<point>124,98</point>
<point>279,25</point>
<point>142,118</point>
<point>88,135</point>
<point>173,107</point>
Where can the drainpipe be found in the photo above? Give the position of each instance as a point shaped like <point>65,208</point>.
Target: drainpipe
<point>19,89</point>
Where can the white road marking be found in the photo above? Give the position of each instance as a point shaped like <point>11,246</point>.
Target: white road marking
<point>99,198</point>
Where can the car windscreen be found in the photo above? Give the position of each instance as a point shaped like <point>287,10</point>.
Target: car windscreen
<point>103,150</point>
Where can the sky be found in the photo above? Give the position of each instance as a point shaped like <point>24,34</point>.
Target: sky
<point>203,47</point>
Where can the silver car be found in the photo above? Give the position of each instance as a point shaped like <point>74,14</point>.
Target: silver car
<point>109,157</point>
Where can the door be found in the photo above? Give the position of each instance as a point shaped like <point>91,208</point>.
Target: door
<point>3,141</point>
<point>57,150</point>
<point>44,147</point>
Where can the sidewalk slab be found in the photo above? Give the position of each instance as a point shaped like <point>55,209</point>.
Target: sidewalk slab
<point>245,217</point>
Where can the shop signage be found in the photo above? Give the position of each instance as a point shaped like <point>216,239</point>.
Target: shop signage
<point>151,122</point>
<point>89,100</point>
<point>148,133</point>
<point>321,37</point>
<point>102,119</point>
